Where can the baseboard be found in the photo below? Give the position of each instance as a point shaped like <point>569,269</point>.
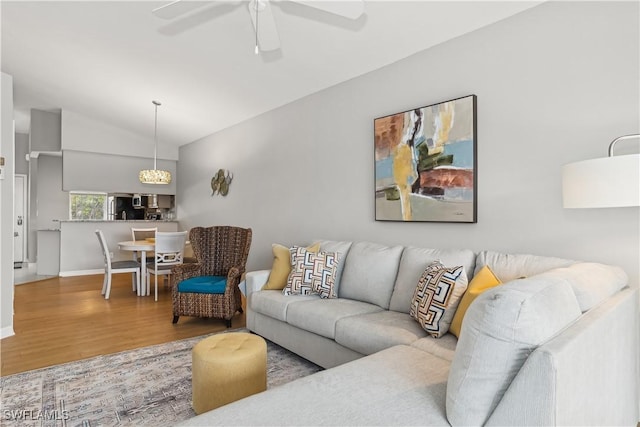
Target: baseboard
<point>81,272</point>
<point>7,332</point>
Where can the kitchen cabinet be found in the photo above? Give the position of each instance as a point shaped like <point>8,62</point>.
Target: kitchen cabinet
<point>164,201</point>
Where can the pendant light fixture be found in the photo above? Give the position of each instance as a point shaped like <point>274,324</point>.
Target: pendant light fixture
<point>155,175</point>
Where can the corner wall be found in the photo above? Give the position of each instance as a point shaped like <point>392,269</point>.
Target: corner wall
<point>7,147</point>
<point>555,84</point>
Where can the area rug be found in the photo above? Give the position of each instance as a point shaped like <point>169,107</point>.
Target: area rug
<point>148,386</point>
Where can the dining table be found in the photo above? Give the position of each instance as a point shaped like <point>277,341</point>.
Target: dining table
<point>142,246</point>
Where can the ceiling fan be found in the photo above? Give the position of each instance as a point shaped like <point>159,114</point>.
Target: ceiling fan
<point>262,17</point>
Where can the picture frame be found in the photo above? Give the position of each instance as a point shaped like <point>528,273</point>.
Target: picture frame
<point>426,163</point>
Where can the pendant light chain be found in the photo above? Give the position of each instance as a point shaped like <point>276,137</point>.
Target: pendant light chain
<point>155,137</point>
<point>257,50</point>
<point>155,176</point>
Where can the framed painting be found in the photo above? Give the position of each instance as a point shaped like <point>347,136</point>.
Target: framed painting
<point>425,163</point>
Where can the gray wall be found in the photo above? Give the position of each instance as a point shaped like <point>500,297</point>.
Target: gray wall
<point>555,85</point>
<point>53,203</point>
<point>22,149</point>
<point>46,132</point>
<point>111,173</point>
<point>6,208</point>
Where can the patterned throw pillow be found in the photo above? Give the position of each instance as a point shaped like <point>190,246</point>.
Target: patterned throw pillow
<point>437,296</point>
<point>312,273</point>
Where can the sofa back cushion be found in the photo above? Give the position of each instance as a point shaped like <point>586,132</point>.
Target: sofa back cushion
<point>342,248</point>
<point>413,263</point>
<point>508,267</point>
<point>501,327</point>
<point>369,273</point>
<point>591,282</point>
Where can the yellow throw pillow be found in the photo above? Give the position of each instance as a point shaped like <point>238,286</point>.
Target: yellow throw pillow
<point>282,266</point>
<point>485,279</point>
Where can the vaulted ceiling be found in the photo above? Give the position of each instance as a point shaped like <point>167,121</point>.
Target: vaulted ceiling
<point>108,60</point>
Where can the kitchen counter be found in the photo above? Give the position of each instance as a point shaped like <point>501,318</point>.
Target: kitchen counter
<point>117,220</point>
<point>80,251</point>
<point>48,252</point>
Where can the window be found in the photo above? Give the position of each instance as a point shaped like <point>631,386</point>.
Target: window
<point>87,205</point>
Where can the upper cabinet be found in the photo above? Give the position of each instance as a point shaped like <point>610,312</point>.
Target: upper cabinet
<point>46,131</point>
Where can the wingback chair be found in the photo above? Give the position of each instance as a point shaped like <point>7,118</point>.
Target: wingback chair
<point>209,287</point>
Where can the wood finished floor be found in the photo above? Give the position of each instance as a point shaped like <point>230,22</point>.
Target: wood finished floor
<point>65,319</point>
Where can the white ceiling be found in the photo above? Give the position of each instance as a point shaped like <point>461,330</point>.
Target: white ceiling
<point>109,60</point>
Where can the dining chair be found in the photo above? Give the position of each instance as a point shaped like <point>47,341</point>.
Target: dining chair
<point>113,267</point>
<point>142,234</point>
<point>169,251</point>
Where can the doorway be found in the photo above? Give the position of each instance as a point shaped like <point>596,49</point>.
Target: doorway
<point>20,220</point>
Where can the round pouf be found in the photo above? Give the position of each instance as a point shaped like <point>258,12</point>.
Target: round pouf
<point>227,367</point>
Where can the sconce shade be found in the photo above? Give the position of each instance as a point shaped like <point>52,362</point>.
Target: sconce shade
<point>602,183</point>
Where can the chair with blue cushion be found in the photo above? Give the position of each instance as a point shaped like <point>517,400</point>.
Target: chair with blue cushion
<point>209,287</point>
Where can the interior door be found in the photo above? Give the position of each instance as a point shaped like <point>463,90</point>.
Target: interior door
<point>20,219</point>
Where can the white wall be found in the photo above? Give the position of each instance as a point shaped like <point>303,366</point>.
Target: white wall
<point>7,147</point>
<point>555,84</point>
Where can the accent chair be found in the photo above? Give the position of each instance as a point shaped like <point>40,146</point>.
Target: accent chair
<point>209,287</point>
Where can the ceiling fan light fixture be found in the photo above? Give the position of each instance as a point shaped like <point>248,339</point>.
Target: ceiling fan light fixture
<point>155,175</point>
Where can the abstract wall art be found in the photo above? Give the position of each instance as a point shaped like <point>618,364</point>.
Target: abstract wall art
<point>426,165</point>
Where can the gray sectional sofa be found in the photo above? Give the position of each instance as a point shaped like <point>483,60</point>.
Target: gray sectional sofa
<point>555,344</point>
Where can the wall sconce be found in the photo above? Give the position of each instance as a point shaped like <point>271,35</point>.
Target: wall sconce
<point>220,182</point>
<point>607,182</point>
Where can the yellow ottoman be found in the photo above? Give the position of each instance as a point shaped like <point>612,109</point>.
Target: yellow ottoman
<point>226,368</point>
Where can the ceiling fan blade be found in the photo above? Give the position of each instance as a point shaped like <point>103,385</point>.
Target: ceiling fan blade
<point>176,8</point>
<point>264,25</point>
<point>351,9</point>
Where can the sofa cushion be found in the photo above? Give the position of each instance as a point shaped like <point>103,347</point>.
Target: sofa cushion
<point>370,272</point>
<point>343,249</point>
<point>311,273</point>
<point>413,263</point>
<point>281,266</point>
<point>484,280</point>
<point>501,328</point>
<point>591,282</point>
<point>437,296</point>
<point>273,304</point>
<point>321,315</point>
<point>443,347</point>
<point>370,333</point>
<point>508,267</point>
<point>408,391</point>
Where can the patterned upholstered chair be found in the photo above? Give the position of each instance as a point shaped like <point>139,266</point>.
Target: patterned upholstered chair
<point>209,287</point>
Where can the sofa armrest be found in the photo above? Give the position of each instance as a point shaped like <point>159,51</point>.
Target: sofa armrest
<point>595,356</point>
<point>255,280</point>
